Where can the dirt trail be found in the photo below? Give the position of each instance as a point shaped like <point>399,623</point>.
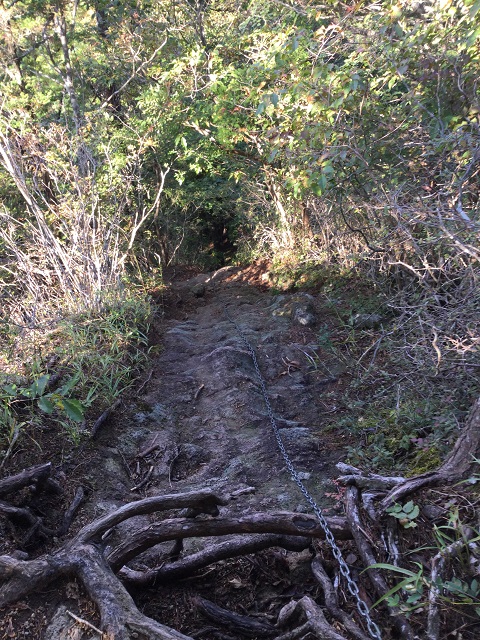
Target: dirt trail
<point>202,417</point>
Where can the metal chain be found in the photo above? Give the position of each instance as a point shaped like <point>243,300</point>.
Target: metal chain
<point>373,629</point>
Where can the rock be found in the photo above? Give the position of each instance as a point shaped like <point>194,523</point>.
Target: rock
<point>64,627</point>
<point>299,307</point>
<point>304,317</point>
<point>198,290</point>
<point>367,320</point>
<point>433,512</point>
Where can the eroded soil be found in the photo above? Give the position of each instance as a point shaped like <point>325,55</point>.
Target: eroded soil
<point>199,420</point>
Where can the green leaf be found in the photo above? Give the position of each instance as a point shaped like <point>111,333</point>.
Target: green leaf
<point>73,409</point>
<point>68,386</point>
<point>391,567</point>
<point>408,507</point>
<point>474,9</point>
<point>46,405</point>
<point>399,586</point>
<point>39,386</point>
<point>11,389</point>
<point>260,109</point>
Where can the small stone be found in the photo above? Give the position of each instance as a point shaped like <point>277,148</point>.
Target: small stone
<point>366,320</point>
<point>432,512</point>
<point>304,318</point>
<point>198,290</point>
<point>304,475</point>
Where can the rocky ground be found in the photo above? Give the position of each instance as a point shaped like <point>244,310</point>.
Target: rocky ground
<point>199,420</point>
<point>202,415</point>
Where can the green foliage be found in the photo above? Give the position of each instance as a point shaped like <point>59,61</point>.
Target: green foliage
<point>105,350</point>
<point>18,402</point>
<point>406,514</point>
<point>411,593</point>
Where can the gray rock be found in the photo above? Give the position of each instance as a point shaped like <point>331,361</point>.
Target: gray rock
<point>304,317</point>
<point>64,627</point>
<point>367,320</point>
<point>433,512</point>
<point>299,307</point>
<point>198,290</point>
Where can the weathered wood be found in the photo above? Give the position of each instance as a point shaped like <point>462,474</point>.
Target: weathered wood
<point>120,618</point>
<point>281,523</point>
<point>243,625</point>
<point>331,601</point>
<point>366,553</point>
<point>186,567</point>
<point>71,511</point>
<point>100,421</point>
<point>316,623</point>
<point>198,499</point>
<point>32,475</point>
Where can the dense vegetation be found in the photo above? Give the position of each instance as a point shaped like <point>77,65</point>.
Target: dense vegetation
<point>338,140</point>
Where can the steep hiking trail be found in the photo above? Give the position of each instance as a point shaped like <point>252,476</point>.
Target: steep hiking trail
<point>182,498</point>
<point>201,416</point>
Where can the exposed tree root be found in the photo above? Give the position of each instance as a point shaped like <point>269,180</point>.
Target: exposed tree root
<point>243,625</point>
<point>316,622</point>
<point>331,601</point>
<point>281,523</point>
<point>33,476</point>
<point>85,558</point>
<point>186,567</point>
<point>368,557</point>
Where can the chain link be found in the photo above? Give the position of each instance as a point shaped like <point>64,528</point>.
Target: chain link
<point>362,608</point>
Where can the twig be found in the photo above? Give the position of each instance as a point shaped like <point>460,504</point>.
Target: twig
<point>145,480</point>
<point>198,392</point>
<point>85,622</point>
<point>149,377</point>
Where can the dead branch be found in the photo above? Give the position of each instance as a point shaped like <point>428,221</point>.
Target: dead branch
<point>331,601</point>
<point>239,546</point>
<point>100,421</point>
<point>368,557</point>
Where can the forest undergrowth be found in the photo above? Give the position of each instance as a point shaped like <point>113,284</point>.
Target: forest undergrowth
<point>329,149</point>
